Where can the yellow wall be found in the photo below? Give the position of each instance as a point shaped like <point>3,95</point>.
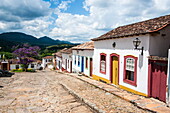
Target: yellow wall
<point>95,77</point>
<point>133,91</point>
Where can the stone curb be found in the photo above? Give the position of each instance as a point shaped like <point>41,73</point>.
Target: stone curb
<point>134,103</point>
<point>89,104</point>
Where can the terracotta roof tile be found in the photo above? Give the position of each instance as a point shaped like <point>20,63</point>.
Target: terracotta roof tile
<point>67,51</point>
<point>143,27</point>
<point>59,53</point>
<point>87,45</point>
<point>48,57</point>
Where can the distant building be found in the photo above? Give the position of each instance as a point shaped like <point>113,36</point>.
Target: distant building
<point>83,58</point>
<point>47,62</point>
<point>67,60</point>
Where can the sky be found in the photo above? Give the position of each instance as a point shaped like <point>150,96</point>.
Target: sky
<point>76,21</point>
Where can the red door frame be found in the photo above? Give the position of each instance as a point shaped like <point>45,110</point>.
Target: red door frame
<point>70,66</point>
<point>91,66</point>
<point>150,75</point>
<point>111,58</point>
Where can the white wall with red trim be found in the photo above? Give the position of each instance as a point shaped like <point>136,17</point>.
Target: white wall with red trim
<point>59,63</point>
<point>124,47</point>
<point>66,58</point>
<point>82,53</point>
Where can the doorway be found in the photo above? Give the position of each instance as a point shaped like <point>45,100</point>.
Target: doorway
<point>157,79</point>
<point>114,69</point>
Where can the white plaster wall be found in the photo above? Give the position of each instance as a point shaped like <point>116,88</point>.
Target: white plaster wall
<point>76,68</point>
<point>13,66</point>
<point>124,47</point>
<point>59,62</point>
<point>87,70</point>
<point>67,58</point>
<point>82,53</point>
<point>44,62</point>
<point>168,81</point>
<point>159,44</point>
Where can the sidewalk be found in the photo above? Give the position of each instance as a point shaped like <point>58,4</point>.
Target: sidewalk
<point>145,103</point>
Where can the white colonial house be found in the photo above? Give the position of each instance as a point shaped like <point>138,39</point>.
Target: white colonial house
<point>47,62</point>
<point>134,57</point>
<point>67,60</point>
<point>13,64</point>
<point>58,59</point>
<point>83,58</point>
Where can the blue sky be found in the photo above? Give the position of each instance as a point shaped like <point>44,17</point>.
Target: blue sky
<point>75,20</point>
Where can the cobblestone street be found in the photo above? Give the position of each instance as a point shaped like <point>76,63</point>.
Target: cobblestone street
<point>48,92</point>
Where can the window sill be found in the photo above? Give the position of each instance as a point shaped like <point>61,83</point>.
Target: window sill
<point>130,82</point>
<point>102,72</point>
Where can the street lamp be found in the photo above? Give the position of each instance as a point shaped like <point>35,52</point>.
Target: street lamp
<point>136,43</point>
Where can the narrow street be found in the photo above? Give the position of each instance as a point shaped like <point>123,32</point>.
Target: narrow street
<point>51,92</point>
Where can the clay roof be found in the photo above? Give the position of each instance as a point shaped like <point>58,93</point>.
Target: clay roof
<point>158,58</point>
<point>59,53</point>
<point>14,61</point>
<point>67,51</point>
<point>87,45</point>
<point>48,57</point>
<point>144,27</point>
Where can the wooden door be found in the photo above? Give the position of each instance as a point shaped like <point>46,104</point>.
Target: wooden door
<point>70,66</point>
<point>114,70</point>
<point>158,78</point>
<point>91,66</point>
<point>66,64</point>
<point>4,66</point>
<point>82,64</point>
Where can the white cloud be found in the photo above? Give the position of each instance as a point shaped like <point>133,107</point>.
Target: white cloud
<point>34,17</point>
<point>107,15</point>
<point>19,10</point>
<point>64,5</point>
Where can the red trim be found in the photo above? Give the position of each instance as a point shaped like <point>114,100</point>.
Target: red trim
<point>111,56</point>
<point>105,63</point>
<point>70,66</point>
<point>87,62</point>
<point>149,77</point>
<point>135,72</point>
<point>57,68</point>
<point>65,70</point>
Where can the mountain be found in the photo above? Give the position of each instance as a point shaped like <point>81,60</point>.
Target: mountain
<point>51,41</point>
<point>10,39</point>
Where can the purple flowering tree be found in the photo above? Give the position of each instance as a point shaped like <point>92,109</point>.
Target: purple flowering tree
<point>26,55</point>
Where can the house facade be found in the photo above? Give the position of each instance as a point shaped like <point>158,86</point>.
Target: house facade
<point>83,58</point>
<point>15,65</point>
<point>47,62</point>
<point>123,57</point>
<point>58,59</point>
<point>67,60</point>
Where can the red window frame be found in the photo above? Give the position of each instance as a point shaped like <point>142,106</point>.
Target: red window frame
<point>86,62</point>
<point>135,71</point>
<point>101,54</point>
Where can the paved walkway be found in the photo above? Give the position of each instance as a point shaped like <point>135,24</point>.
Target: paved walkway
<point>38,92</point>
<point>51,92</point>
<point>150,104</point>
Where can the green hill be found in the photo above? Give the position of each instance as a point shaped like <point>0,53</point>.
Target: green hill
<point>10,39</point>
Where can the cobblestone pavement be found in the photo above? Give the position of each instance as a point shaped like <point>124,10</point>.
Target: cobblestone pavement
<point>38,92</point>
<point>48,92</point>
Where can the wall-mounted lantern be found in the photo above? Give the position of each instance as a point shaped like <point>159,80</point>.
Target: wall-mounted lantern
<point>136,43</point>
<point>114,44</point>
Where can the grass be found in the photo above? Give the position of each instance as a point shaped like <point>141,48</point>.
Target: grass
<point>21,70</point>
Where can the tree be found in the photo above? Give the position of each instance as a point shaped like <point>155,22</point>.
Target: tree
<point>26,55</point>
<point>6,54</point>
